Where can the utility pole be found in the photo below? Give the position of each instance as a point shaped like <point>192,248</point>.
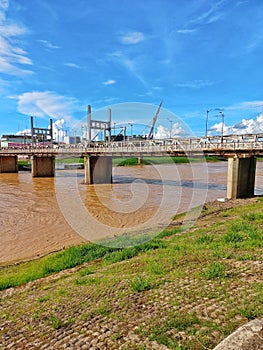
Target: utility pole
<point>222,129</point>
<point>206,124</point>
<point>171,123</point>
<point>89,123</point>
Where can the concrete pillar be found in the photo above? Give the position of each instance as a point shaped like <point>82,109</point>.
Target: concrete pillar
<point>8,164</point>
<point>241,177</point>
<point>98,170</point>
<point>43,166</point>
<point>140,160</point>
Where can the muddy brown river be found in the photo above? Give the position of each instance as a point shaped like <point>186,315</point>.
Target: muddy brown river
<point>41,215</point>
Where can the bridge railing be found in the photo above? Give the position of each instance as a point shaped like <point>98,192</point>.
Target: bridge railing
<point>144,146</point>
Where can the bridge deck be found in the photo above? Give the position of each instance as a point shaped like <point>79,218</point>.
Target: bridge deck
<point>171,147</point>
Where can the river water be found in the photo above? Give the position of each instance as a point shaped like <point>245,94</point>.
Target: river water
<point>41,215</point>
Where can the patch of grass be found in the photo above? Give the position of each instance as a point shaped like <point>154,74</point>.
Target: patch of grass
<point>205,239</point>
<point>70,160</point>
<point>215,270</point>
<point>140,284</point>
<point>44,299</point>
<point>127,161</point>
<point>128,253</point>
<point>245,232</point>
<point>253,217</point>
<point>22,164</point>
<point>62,292</point>
<point>233,237</point>
<point>85,272</point>
<point>55,322</point>
<point>163,332</point>
<point>156,268</point>
<point>103,309</point>
<point>169,232</point>
<point>162,160</point>
<point>247,257</point>
<point>249,311</point>
<point>86,281</point>
<point>70,257</point>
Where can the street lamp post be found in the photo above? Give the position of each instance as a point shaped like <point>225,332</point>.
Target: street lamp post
<point>206,124</point>
<point>223,121</point>
<point>131,125</point>
<point>171,122</point>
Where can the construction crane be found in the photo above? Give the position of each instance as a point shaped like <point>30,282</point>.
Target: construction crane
<point>150,135</point>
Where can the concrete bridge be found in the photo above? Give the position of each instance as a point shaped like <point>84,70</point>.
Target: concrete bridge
<point>240,150</point>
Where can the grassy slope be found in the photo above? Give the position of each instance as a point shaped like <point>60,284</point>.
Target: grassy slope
<point>132,161</point>
<point>194,288</point>
<point>161,160</point>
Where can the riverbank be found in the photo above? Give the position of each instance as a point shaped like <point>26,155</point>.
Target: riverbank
<point>188,291</point>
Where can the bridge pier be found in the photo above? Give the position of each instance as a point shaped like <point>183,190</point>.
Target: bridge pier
<point>43,165</point>
<point>98,170</point>
<point>241,177</point>
<point>8,164</point>
<point>140,160</point>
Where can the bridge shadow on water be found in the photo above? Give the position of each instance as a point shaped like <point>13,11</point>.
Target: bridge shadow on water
<point>159,182</point>
<point>176,183</point>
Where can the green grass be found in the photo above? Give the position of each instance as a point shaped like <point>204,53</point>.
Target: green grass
<point>55,322</point>
<point>215,270</point>
<point>13,276</point>
<point>140,284</point>
<point>70,160</point>
<point>161,160</point>
<point>20,274</point>
<point>174,322</point>
<point>22,164</point>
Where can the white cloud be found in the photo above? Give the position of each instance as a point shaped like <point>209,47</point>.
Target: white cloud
<point>130,64</point>
<point>4,4</point>
<point>247,105</point>
<point>72,65</point>
<point>109,82</point>
<point>59,129</point>
<point>195,84</point>
<point>43,104</point>
<point>175,131</point>
<point>49,45</point>
<point>246,126</point>
<point>210,16</point>
<point>132,38</point>
<point>24,132</point>
<point>186,31</point>
<point>11,56</point>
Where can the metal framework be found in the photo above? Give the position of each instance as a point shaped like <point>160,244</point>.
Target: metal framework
<point>99,125</point>
<point>41,132</point>
<point>251,145</point>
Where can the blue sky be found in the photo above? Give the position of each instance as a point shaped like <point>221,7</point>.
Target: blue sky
<point>56,57</point>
